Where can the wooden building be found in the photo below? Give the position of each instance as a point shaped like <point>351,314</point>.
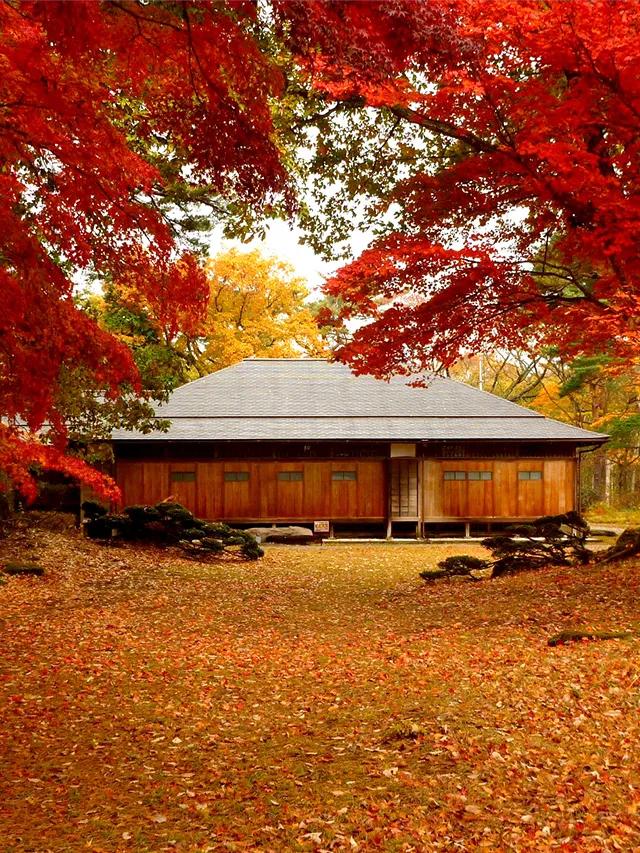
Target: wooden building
<point>304,441</point>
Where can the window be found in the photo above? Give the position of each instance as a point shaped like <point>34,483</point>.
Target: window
<point>236,476</point>
<point>289,476</point>
<point>183,476</point>
<point>480,475</point>
<point>455,475</point>
<point>529,475</point>
<point>344,475</point>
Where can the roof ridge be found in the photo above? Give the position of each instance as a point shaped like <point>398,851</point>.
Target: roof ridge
<point>256,358</point>
<point>356,417</point>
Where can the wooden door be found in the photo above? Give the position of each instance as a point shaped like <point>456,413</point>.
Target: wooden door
<point>403,484</point>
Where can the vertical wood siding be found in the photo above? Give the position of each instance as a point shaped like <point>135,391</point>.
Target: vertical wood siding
<point>505,495</point>
<point>263,495</point>
<point>319,496</point>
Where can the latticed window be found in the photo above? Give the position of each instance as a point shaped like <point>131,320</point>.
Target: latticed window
<point>183,476</point>
<point>236,476</point>
<point>480,475</point>
<point>289,476</point>
<point>455,475</point>
<point>344,475</point>
<point>529,475</point>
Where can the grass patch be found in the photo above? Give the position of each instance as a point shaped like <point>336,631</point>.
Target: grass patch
<point>603,514</point>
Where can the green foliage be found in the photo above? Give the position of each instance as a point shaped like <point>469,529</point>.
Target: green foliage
<point>93,509</point>
<point>193,533</point>
<point>557,540</point>
<point>142,514</point>
<point>101,527</point>
<point>588,497</point>
<point>217,530</point>
<point>176,514</point>
<point>461,564</point>
<point>162,366</point>
<point>214,546</point>
<point>553,540</point>
<point>173,524</point>
<point>583,372</point>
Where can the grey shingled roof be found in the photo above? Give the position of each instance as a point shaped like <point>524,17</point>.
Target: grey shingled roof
<point>306,399</point>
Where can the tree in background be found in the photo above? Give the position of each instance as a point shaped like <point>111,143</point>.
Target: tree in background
<point>586,393</point>
<point>256,308</point>
<point>516,375</point>
<point>253,306</point>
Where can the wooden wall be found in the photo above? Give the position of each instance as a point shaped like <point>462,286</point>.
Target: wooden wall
<point>318,496</point>
<point>504,496</point>
<point>262,496</point>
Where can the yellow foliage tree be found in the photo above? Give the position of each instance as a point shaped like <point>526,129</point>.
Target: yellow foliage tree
<point>256,308</point>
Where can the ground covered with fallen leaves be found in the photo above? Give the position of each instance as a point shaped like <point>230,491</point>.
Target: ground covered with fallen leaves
<point>324,698</point>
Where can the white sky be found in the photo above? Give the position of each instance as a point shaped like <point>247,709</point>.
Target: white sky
<point>283,241</point>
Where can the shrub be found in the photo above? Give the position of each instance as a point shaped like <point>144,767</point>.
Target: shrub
<point>92,509</point>
<point>588,498</point>
<point>215,546</point>
<point>553,540</point>
<point>171,523</point>
<point>462,564</point>
<point>556,540</point>
<point>143,514</point>
<point>217,530</point>
<point>100,527</point>
<point>193,533</point>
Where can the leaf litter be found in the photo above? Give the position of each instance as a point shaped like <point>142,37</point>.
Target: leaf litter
<point>322,699</point>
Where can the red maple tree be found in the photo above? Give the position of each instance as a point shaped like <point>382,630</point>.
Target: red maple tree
<point>529,217</point>
<point>108,111</point>
<point>112,111</point>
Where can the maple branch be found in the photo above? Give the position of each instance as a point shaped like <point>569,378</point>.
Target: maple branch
<point>442,128</point>
<point>357,102</point>
<point>128,11</point>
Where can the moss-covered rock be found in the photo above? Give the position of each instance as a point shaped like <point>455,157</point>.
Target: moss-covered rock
<point>576,636</point>
<point>627,545</point>
<point>23,569</point>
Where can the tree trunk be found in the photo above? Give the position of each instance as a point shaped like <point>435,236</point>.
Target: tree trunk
<point>598,474</point>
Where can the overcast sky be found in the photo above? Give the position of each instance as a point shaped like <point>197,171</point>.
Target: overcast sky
<point>283,241</point>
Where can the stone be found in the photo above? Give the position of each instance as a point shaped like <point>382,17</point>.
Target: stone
<point>263,534</point>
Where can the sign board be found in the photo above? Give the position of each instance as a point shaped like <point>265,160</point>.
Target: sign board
<point>320,526</point>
